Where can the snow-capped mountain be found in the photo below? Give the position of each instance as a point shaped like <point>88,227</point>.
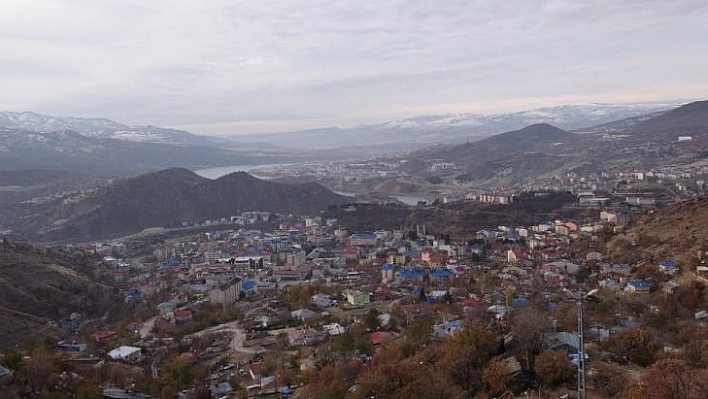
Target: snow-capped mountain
<point>563,116</point>
<point>100,128</point>
<point>427,129</point>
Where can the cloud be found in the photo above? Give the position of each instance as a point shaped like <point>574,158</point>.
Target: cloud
<point>245,65</point>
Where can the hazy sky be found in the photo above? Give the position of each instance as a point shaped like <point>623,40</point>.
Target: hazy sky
<point>225,66</point>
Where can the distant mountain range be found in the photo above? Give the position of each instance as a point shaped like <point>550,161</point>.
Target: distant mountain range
<point>101,146</point>
<point>107,148</point>
<point>102,128</point>
<point>159,199</point>
<point>416,132</point>
<point>539,151</point>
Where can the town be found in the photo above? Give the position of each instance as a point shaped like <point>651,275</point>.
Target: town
<point>260,305</point>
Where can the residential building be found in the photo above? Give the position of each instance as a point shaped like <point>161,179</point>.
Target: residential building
<point>226,293</point>
<point>358,298</point>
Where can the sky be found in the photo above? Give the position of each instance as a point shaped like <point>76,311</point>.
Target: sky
<point>225,67</point>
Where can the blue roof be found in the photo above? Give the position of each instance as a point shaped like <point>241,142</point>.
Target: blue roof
<point>411,273</point>
<point>387,266</point>
<point>641,284</point>
<point>453,323</point>
<point>440,273</point>
<point>519,302</point>
<point>668,263</point>
<point>249,284</point>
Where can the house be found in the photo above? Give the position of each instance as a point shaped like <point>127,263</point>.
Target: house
<point>671,286</point>
<point>638,287</point>
<point>397,259</point>
<point>358,298</point>
<point>618,269</point>
<point>387,272</point>
<point>362,240</point>
<point>434,257</point>
<point>611,283</point>
<point>379,337</point>
<point>303,314</point>
<point>226,293</point>
<point>499,311</point>
<point>249,286</point>
<point>305,337</point>
<point>334,329</point>
<point>440,274</point>
<point>322,301</point>
<point>103,334</point>
<point>561,230</point>
<point>165,325</point>
<point>292,272</point>
<point>608,216</point>
<point>412,275</point>
<point>182,315</point>
<point>668,266</point>
<point>565,266</point>
<point>702,272</point>
<point>447,328</point>
<point>72,346</point>
<point>565,341</point>
<point>221,389</point>
<point>125,353</point>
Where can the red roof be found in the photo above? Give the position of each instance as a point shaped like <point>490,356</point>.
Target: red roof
<point>103,334</point>
<point>379,337</point>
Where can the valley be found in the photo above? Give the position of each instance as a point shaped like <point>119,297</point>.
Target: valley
<point>169,283</point>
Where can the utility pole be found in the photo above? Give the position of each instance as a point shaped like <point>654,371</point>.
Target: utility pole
<point>579,298</point>
<point>581,350</point>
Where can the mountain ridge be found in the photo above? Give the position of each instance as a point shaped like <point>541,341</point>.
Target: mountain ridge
<point>428,129</point>
<point>160,199</point>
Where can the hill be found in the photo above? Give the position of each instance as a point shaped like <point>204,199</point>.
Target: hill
<point>157,199</point>
<point>533,138</point>
<point>502,160</point>
<point>674,232</point>
<point>690,119</point>
<point>535,155</point>
<point>24,185</point>
<point>40,285</point>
